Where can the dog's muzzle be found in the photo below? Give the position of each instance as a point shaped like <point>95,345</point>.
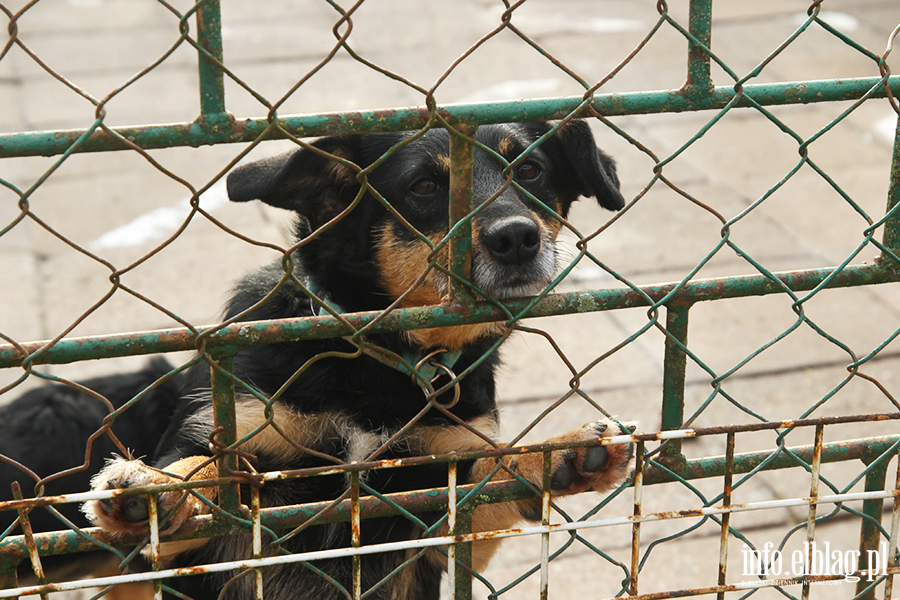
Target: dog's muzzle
<point>514,257</point>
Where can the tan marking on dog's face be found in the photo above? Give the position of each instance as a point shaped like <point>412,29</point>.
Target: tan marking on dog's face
<point>443,162</point>
<point>550,223</point>
<point>505,146</point>
<point>402,264</point>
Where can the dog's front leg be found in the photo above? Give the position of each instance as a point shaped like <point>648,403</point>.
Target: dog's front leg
<point>130,515</point>
<point>573,470</point>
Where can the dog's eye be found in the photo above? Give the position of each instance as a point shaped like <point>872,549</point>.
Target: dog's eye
<point>424,187</point>
<point>528,171</point>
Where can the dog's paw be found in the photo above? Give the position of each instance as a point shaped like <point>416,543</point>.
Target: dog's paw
<point>130,514</point>
<point>600,468</point>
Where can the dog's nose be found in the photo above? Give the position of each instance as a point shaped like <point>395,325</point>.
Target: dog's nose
<point>515,240</point>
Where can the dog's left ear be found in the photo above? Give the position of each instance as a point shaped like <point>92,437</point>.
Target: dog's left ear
<point>584,167</point>
<point>310,183</point>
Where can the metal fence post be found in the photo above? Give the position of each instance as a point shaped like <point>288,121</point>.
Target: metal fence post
<point>869,535</point>
<point>225,423</point>
<point>463,552</point>
<point>674,371</point>
<point>213,115</point>
<point>461,169</point>
<point>699,84</point>
<point>891,237</point>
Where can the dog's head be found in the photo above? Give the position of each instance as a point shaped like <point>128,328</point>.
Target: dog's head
<point>369,257</point>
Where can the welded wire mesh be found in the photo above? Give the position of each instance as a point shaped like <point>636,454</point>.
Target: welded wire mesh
<point>776,432</point>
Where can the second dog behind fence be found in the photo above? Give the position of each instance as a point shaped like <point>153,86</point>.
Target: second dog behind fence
<point>47,431</point>
<point>355,398</point>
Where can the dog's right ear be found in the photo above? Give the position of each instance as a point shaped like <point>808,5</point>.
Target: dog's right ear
<point>309,183</point>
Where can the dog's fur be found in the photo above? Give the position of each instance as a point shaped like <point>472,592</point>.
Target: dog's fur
<point>47,430</point>
<point>361,260</point>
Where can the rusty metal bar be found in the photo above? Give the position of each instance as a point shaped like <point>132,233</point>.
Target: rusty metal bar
<point>869,536</point>
<point>225,423</point>
<point>28,534</point>
<point>699,84</point>
<point>257,540</point>
<point>54,142</point>
<point>637,512</point>
<point>14,549</point>
<point>562,527</point>
<point>355,534</point>
<point>463,582</point>
<point>697,468</point>
<point>213,116</point>
<point>813,493</point>
<point>460,247</point>
<point>893,558</point>
<point>744,463</point>
<point>546,485</point>
<point>177,339</point>
<point>444,540</point>
<point>155,563</point>
<point>726,518</point>
<point>452,511</point>
<point>891,236</point>
<point>674,372</point>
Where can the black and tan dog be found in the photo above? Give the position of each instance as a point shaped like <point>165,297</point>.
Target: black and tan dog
<point>366,259</point>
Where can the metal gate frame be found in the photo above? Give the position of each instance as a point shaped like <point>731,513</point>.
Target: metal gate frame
<point>216,126</point>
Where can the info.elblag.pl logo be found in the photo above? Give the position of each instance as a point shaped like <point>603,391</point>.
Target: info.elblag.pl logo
<point>813,560</point>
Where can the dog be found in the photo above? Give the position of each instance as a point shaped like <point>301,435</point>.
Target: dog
<point>354,254</point>
<point>46,430</point>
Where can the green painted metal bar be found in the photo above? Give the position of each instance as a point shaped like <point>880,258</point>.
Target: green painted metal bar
<point>8,575</point>
<point>699,84</point>
<point>464,515</point>
<point>225,422</point>
<point>716,466</point>
<point>674,366</point>
<point>460,247</point>
<point>891,237</point>
<point>241,334</point>
<point>49,143</point>
<point>869,536</point>
<point>213,116</point>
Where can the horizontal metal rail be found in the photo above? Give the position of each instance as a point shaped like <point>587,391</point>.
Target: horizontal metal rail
<point>448,540</point>
<point>14,547</point>
<point>195,134</point>
<point>255,332</point>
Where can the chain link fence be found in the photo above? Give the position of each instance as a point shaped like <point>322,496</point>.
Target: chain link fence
<point>771,435</point>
